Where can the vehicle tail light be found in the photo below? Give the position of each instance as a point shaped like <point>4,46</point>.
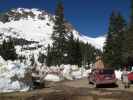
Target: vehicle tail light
<point>97,78</point>
<point>100,77</point>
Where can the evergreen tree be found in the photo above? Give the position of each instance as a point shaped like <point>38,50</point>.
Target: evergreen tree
<point>51,56</point>
<point>59,35</point>
<point>74,51</point>
<point>129,38</point>
<point>114,45</point>
<point>131,14</point>
<point>71,50</point>
<point>41,58</point>
<point>88,53</point>
<point>78,55</point>
<point>66,49</point>
<point>32,59</point>
<point>91,53</point>
<point>7,50</point>
<point>22,58</point>
<point>48,58</point>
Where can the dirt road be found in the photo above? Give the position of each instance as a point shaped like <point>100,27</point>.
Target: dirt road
<point>81,90</point>
<point>73,90</point>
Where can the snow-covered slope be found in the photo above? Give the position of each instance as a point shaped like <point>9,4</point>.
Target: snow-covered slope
<point>37,25</point>
<point>98,42</point>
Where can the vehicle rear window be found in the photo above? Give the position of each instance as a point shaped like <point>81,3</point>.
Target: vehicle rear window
<point>106,71</point>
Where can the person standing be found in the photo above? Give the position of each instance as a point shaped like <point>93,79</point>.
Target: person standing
<point>125,78</point>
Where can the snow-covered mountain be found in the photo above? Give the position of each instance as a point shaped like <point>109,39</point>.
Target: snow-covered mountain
<point>34,27</point>
<point>31,30</point>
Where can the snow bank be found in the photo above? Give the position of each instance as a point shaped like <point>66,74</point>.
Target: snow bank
<point>80,73</point>
<point>77,74</point>
<point>71,72</point>
<point>52,77</point>
<point>86,72</point>
<point>74,67</point>
<point>10,72</point>
<point>67,72</point>
<point>118,74</point>
<point>2,61</point>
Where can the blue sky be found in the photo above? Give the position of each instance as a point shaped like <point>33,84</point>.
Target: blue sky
<point>89,17</point>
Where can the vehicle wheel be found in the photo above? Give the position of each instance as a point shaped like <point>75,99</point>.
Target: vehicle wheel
<point>94,85</point>
<point>89,82</point>
<point>130,82</point>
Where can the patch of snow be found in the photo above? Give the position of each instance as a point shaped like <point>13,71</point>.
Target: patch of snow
<point>52,77</point>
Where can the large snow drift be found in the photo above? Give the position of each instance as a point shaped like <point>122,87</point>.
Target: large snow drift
<point>8,70</point>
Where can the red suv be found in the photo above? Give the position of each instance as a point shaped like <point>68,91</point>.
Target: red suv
<point>130,77</point>
<point>102,76</point>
